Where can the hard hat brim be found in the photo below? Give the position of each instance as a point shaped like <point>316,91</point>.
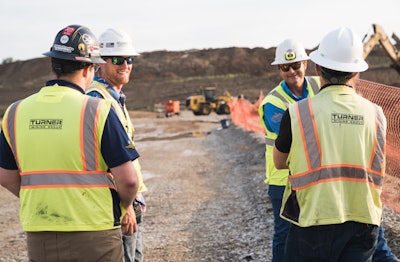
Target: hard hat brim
<point>357,66</point>
<point>97,60</point>
<point>118,53</point>
<point>292,61</point>
<point>71,57</point>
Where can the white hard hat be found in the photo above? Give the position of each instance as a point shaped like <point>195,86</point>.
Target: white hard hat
<point>115,42</point>
<point>289,51</point>
<point>340,50</point>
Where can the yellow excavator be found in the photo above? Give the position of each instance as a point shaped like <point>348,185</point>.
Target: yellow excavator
<point>379,36</point>
<point>206,102</point>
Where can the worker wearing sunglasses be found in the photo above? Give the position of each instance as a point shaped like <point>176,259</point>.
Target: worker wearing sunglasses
<point>119,60</point>
<point>294,66</point>
<point>117,50</point>
<point>291,59</point>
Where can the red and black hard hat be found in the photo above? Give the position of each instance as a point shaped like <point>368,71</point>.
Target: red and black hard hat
<point>76,43</point>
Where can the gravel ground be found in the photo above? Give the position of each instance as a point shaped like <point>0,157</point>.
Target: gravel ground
<point>207,201</point>
<point>206,198</point>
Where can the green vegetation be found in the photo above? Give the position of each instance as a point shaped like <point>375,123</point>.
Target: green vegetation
<point>213,77</point>
<point>7,60</point>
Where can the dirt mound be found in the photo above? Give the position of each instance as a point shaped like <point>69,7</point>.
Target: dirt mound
<point>162,75</point>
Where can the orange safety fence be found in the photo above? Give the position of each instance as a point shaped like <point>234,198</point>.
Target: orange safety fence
<point>245,114</point>
<point>388,97</point>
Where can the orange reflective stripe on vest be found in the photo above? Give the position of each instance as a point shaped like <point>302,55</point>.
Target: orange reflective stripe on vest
<point>89,137</point>
<point>11,127</point>
<point>316,172</point>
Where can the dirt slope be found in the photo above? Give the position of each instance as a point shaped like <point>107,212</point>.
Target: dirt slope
<point>160,76</point>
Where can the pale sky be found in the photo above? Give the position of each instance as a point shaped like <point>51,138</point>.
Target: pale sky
<point>28,27</point>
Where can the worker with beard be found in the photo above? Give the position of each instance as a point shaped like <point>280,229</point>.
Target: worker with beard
<point>117,50</point>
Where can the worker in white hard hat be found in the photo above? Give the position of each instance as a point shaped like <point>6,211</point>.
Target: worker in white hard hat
<point>334,147</point>
<point>292,60</point>
<point>116,48</point>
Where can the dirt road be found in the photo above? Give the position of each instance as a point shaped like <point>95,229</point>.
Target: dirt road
<point>206,198</point>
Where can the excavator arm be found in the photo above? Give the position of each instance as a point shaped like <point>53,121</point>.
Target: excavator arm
<point>390,49</point>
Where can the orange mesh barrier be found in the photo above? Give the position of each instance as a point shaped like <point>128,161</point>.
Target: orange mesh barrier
<point>388,97</point>
<point>245,115</point>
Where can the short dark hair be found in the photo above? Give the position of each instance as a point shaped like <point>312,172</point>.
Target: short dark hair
<point>64,67</point>
<point>335,77</point>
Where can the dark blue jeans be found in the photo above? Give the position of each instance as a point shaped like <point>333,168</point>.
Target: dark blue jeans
<point>383,253</point>
<point>281,226</point>
<point>347,242</point>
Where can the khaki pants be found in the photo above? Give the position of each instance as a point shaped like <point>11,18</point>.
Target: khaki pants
<point>75,246</point>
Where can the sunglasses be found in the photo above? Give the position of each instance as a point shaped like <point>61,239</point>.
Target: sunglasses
<point>286,67</point>
<point>119,60</point>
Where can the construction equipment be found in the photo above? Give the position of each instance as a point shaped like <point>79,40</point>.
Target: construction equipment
<point>172,107</point>
<point>206,102</point>
<point>380,36</point>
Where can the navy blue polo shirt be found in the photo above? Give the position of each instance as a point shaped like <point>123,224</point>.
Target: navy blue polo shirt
<point>113,141</point>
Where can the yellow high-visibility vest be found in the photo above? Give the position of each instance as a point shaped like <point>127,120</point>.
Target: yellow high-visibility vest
<point>336,161</point>
<point>125,120</point>
<point>55,136</point>
<point>279,98</point>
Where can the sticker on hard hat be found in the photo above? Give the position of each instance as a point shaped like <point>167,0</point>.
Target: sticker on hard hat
<point>64,39</point>
<point>81,47</point>
<point>68,30</point>
<point>290,55</point>
<point>63,48</point>
<point>86,39</point>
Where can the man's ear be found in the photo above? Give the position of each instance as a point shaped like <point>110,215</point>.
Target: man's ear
<point>86,70</point>
<point>317,70</point>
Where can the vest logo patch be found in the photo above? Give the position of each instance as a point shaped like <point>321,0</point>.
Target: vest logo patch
<point>45,124</point>
<point>339,118</point>
<point>130,145</point>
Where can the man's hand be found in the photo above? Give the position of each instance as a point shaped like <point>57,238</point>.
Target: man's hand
<point>128,223</point>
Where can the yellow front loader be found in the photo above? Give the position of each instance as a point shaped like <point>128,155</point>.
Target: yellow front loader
<point>206,102</point>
